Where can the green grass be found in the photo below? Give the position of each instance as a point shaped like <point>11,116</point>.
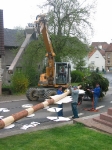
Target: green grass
<point>68,137</point>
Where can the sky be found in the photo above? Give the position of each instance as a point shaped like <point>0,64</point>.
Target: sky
<point>21,12</point>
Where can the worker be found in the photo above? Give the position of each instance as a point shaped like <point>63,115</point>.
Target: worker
<point>74,103</point>
<point>96,94</point>
<point>62,73</point>
<point>59,91</point>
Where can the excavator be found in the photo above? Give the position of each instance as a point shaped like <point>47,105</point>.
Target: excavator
<point>56,74</point>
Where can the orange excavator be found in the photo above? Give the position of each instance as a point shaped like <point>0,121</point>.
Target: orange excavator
<point>57,73</point>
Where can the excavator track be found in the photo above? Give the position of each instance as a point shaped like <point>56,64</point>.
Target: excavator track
<point>49,93</point>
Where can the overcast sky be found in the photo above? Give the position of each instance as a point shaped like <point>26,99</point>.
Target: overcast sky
<point>21,12</point>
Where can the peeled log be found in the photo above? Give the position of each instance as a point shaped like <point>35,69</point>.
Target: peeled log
<point>17,116</point>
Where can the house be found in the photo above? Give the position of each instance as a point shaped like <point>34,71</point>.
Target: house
<point>108,58</point>
<point>106,51</point>
<point>96,60</point>
<point>11,43</point>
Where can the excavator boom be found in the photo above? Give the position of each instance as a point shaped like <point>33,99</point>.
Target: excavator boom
<point>42,28</point>
<point>47,78</point>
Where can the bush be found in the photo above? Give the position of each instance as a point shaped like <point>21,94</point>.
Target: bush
<point>91,80</point>
<point>77,76</point>
<point>32,75</point>
<point>19,82</point>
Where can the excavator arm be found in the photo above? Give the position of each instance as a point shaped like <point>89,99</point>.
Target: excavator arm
<point>41,27</point>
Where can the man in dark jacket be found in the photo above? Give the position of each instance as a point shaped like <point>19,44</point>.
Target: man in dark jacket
<point>74,94</point>
<point>96,94</point>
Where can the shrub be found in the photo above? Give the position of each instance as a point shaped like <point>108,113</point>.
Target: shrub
<point>32,75</point>
<point>7,86</point>
<point>77,76</point>
<point>19,82</point>
<point>91,80</point>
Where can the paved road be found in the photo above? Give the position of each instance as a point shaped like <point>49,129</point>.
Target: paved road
<point>41,115</point>
<point>109,77</point>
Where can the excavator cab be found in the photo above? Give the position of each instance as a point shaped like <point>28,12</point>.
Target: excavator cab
<point>62,73</point>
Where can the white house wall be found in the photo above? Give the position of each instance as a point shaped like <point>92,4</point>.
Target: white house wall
<point>98,60</point>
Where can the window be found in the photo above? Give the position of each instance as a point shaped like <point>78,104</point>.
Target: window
<point>108,56</point>
<point>108,61</point>
<point>97,56</point>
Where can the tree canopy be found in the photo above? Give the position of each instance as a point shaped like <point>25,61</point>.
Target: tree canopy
<point>69,22</point>
<point>33,60</point>
<point>91,80</point>
<point>70,17</point>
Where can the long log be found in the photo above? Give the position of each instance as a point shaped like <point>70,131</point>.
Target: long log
<point>17,116</point>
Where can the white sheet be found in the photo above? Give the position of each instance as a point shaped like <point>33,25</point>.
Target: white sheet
<point>54,109</point>
<point>32,124</point>
<point>27,105</point>
<point>4,110</point>
<point>81,92</point>
<point>10,126</point>
<point>58,118</point>
<point>30,116</point>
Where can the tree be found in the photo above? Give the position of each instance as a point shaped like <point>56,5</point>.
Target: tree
<point>32,62</point>
<point>91,80</point>
<point>69,17</point>
<point>80,64</point>
<point>68,22</point>
<point>68,48</point>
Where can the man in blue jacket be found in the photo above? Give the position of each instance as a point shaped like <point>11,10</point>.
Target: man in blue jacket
<point>96,94</point>
<point>59,91</point>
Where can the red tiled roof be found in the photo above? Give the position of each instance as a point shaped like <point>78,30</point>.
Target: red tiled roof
<point>102,52</point>
<point>91,53</point>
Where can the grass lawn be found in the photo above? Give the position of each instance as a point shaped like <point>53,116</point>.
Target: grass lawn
<point>68,137</point>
